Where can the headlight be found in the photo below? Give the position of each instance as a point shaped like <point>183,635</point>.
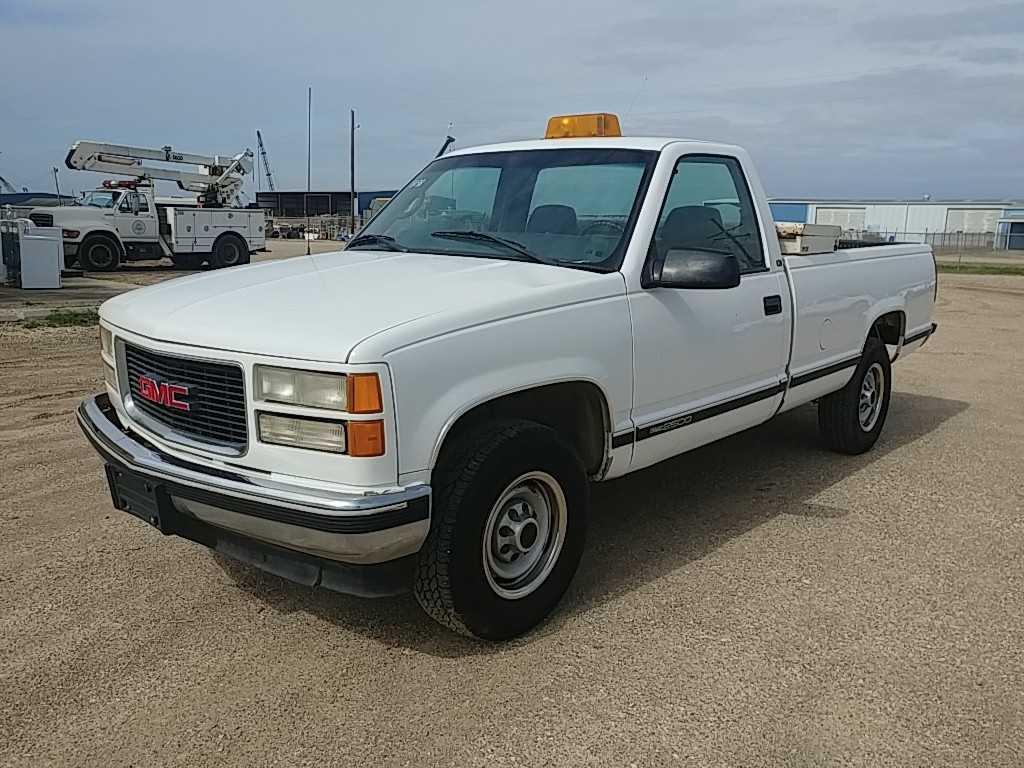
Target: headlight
<point>106,341</point>
<point>354,393</point>
<point>110,376</point>
<point>316,390</point>
<point>314,434</point>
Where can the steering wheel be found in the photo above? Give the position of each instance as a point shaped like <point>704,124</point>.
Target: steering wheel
<point>605,227</point>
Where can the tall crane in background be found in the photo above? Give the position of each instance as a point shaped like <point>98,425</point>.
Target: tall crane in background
<point>266,162</point>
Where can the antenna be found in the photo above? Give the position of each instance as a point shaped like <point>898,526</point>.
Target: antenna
<point>448,141</point>
<point>632,103</point>
<point>57,185</point>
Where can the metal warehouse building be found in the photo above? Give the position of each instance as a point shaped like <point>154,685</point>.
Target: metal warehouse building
<point>296,204</point>
<point>977,223</point>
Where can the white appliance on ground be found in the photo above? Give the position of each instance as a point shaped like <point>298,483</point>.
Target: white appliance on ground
<point>32,256</point>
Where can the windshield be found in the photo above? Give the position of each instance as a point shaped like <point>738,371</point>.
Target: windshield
<point>570,207</point>
<point>100,198</point>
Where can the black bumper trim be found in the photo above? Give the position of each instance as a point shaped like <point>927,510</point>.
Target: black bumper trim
<point>414,510</point>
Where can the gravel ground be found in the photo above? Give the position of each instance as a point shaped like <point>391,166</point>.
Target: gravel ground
<point>757,602</point>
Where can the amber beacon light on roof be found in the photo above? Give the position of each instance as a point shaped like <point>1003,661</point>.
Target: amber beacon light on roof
<point>583,126</point>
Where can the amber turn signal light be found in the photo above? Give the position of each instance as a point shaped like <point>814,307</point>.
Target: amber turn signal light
<point>364,393</point>
<point>366,438</point>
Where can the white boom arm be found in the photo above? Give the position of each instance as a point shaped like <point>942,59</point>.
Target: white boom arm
<point>220,183</point>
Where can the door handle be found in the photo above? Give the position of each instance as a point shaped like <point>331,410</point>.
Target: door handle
<point>773,305</point>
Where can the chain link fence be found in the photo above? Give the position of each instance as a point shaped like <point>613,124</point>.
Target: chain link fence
<point>956,247</point>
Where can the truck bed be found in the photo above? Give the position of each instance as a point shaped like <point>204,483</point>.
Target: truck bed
<point>851,288</point>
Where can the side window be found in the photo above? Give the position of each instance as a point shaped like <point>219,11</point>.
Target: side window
<point>126,203</point>
<point>708,207</point>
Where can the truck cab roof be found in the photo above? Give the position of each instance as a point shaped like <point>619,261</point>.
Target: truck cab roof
<point>650,143</point>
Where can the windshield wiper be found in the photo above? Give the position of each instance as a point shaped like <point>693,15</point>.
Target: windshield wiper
<point>389,243</point>
<point>485,237</point>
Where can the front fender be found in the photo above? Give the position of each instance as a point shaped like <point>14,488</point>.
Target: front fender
<point>441,379</point>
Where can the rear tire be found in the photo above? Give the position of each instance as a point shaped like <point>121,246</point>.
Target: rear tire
<point>509,524</point>
<point>99,253</point>
<point>229,251</point>
<point>851,419</point>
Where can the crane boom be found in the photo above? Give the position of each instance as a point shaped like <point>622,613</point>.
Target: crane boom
<point>266,160</point>
<point>219,183</point>
<point>6,186</point>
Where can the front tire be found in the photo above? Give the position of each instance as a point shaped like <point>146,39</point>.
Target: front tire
<point>510,518</point>
<point>99,253</point>
<point>851,419</point>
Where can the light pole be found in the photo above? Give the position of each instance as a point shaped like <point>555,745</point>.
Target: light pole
<point>309,144</point>
<point>354,209</point>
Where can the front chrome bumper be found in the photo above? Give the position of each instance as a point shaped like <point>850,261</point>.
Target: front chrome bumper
<point>336,529</point>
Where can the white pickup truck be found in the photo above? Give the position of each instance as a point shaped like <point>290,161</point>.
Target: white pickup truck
<point>427,408</point>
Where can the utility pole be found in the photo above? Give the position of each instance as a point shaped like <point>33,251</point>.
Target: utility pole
<point>309,144</point>
<point>354,211</point>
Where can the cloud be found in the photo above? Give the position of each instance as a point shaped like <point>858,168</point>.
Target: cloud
<point>992,55</point>
<point>971,21</point>
<point>49,14</point>
<point>837,97</point>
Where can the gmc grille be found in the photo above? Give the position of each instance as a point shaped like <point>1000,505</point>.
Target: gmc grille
<point>215,398</point>
<point>42,219</point>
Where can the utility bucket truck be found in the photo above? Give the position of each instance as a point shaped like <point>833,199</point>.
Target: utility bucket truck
<point>125,221</point>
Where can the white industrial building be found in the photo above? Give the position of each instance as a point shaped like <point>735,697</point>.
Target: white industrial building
<point>934,221</point>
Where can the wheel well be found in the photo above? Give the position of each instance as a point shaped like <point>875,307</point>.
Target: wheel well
<point>103,235</point>
<point>575,409</point>
<point>889,327</point>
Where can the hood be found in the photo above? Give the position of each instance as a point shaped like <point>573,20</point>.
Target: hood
<point>321,307</point>
<point>69,213</point>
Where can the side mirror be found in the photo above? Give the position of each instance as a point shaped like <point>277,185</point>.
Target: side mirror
<point>687,268</point>
<point>133,201</point>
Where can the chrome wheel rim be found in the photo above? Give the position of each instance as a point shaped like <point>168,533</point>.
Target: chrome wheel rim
<point>869,406</point>
<point>524,535</point>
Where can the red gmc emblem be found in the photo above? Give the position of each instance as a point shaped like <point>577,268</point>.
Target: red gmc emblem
<point>162,393</point>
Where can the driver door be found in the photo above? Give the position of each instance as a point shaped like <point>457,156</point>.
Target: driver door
<point>708,362</point>
<point>134,219</point>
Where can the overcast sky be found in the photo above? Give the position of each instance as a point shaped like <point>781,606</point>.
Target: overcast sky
<point>843,99</point>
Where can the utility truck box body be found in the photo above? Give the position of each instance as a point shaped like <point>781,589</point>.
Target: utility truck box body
<point>195,230</point>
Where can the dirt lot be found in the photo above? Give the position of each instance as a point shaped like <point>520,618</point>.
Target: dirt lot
<point>758,602</point>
